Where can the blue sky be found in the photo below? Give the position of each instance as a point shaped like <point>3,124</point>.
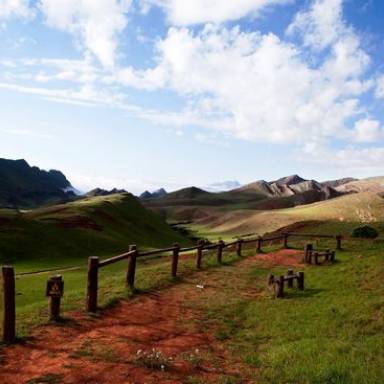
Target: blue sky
<point>142,94</point>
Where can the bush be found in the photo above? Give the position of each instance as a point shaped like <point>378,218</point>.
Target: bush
<point>365,232</point>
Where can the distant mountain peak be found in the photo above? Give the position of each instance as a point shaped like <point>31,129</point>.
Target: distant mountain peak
<point>26,186</point>
<point>290,180</point>
<point>104,192</point>
<point>153,195</point>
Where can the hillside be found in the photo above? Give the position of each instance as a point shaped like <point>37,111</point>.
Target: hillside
<point>99,225</point>
<point>189,204</point>
<point>24,186</point>
<point>348,210</point>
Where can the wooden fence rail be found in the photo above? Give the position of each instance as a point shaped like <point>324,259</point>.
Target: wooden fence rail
<point>94,264</point>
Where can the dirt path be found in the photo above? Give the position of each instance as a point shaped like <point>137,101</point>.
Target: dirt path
<point>108,349</point>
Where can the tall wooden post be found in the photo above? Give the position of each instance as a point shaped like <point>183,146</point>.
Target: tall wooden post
<point>338,242</point>
<point>220,247</point>
<point>9,319</point>
<point>239,245</point>
<point>290,273</point>
<point>92,284</point>
<point>300,281</point>
<point>285,241</point>
<point>132,267</point>
<point>199,255</point>
<point>259,241</point>
<point>175,259</point>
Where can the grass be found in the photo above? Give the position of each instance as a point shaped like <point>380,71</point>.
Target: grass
<point>64,235</point>
<point>333,332</point>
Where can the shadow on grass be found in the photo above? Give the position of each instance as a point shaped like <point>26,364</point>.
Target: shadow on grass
<point>295,293</point>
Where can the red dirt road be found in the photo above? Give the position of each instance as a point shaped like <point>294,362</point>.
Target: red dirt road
<point>95,350</point>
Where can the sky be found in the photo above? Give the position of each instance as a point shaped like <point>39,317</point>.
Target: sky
<point>143,94</point>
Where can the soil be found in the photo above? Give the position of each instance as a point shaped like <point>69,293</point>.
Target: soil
<point>107,348</point>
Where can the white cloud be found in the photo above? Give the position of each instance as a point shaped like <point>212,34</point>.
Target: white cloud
<point>15,8</point>
<point>368,131</point>
<point>321,25</point>
<point>259,87</point>
<point>95,23</point>
<point>350,159</point>
<point>182,12</point>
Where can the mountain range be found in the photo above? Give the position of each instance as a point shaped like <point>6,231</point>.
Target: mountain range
<point>24,186</point>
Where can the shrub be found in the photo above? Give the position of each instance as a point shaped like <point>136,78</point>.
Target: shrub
<point>365,232</point>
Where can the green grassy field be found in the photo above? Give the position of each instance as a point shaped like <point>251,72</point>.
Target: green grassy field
<point>333,332</point>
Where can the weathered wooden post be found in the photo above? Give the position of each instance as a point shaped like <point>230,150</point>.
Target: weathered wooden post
<point>327,254</point>
<point>285,240</point>
<point>175,259</point>
<point>338,242</point>
<point>92,284</point>
<point>9,319</point>
<point>239,245</point>
<point>55,290</point>
<point>279,292</point>
<point>220,247</point>
<point>199,255</point>
<point>290,273</point>
<point>316,258</point>
<point>308,249</point>
<point>132,267</point>
<point>300,281</point>
<point>259,241</point>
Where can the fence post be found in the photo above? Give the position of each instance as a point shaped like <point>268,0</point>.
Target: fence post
<point>132,267</point>
<point>289,274</point>
<point>316,258</point>
<point>327,254</point>
<point>9,319</point>
<point>300,281</point>
<point>199,257</point>
<point>55,287</point>
<point>259,240</point>
<point>307,253</point>
<point>238,247</point>
<point>338,242</point>
<point>220,247</point>
<point>271,279</point>
<point>280,287</point>
<point>285,241</point>
<point>175,259</point>
<point>92,284</point>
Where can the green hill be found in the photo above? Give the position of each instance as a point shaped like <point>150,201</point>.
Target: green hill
<point>62,234</point>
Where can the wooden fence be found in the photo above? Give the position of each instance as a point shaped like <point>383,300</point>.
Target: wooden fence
<point>94,264</point>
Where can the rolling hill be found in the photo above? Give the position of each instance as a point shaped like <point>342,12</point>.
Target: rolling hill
<point>189,204</point>
<point>99,225</point>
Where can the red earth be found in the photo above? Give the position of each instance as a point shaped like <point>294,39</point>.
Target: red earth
<point>105,348</point>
